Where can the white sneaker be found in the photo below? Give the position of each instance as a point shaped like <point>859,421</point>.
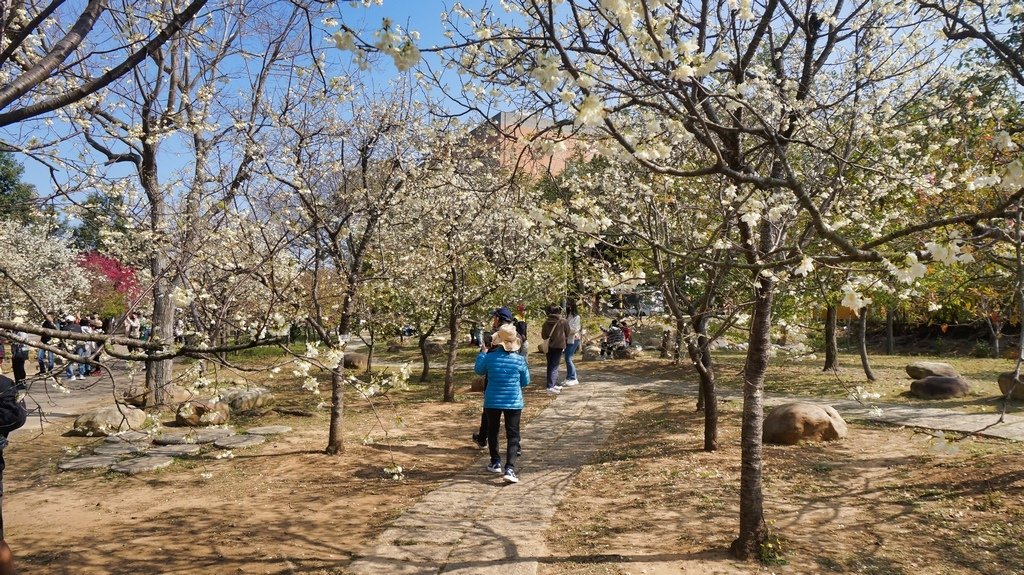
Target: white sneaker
<point>554,390</point>
<point>570,382</point>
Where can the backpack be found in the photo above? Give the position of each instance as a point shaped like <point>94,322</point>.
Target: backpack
<point>19,350</point>
<point>13,412</point>
<point>521,328</point>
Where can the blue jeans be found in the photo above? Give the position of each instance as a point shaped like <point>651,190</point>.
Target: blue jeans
<point>554,358</point>
<point>80,367</point>
<point>570,367</point>
<point>45,360</point>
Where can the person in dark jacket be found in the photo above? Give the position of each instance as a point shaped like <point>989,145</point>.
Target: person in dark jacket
<point>43,357</point>
<point>507,375</point>
<point>556,331</point>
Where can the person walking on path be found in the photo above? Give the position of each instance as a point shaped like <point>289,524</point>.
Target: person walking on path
<point>519,320</point>
<point>507,375</point>
<point>19,355</point>
<point>500,317</point>
<point>44,358</point>
<point>572,317</point>
<point>555,332</point>
<point>132,329</point>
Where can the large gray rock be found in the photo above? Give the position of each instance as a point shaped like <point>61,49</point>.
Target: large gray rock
<point>632,352</point>
<point>1006,381</point>
<point>202,412</point>
<point>109,420</point>
<point>591,353</point>
<point>923,369</point>
<point>355,361</point>
<point>940,387</point>
<point>434,348</point>
<point>242,399</point>
<point>792,423</point>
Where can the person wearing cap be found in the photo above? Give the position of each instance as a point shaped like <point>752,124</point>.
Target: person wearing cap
<point>556,332</point>
<point>499,317</point>
<point>507,375</point>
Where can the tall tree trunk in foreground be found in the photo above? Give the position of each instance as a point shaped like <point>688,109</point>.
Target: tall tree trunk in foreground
<point>753,529</point>
<point>335,442</point>
<point>707,401</point>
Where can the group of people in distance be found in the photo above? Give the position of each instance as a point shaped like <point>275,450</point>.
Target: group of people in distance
<point>502,362</point>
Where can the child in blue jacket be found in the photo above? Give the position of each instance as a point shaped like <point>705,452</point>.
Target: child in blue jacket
<point>507,375</point>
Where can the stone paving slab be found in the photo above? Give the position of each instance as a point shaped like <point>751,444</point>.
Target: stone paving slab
<point>89,462</point>
<point>239,441</point>
<point>468,525</point>
<point>192,435</point>
<point>180,450</point>
<point>268,430</point>
<point>130,436</point>
<point>142,464</point>
<point>122,448</point>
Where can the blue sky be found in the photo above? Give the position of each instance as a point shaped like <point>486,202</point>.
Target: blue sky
<point>422,16</point>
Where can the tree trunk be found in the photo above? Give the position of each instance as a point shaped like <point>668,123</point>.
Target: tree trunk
<point>831,344</point>
<point>994,331</point>
<point>369,351</point>
<point>666,340</point>
<point>707,400</point>
<point>425,373</point>
<point>677,350</point>
<point>158,373</point>
<point>453,348</point>
<point>335,440</point>
<point>890,340</point>
<point>753,530</point>
<point>862,343</point>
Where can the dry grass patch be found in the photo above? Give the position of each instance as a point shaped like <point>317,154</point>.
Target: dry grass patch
<point>880,502</point>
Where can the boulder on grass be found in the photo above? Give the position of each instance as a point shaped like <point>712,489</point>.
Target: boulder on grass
<point>109,420</point>
<point>241,399</point>
<point>201,412</point>
<point>631,352</point>
<point>591,353</point>
<point>923,369</point>
<point>355,361</point>
<point>1006,380</point>
<point>940,387</point>
<point>174,395</point>
<point>434,348</point>
<point>792,423</point>
<point>394,347</point>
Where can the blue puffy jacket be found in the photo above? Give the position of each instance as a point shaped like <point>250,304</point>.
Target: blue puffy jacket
<point>507,375</point>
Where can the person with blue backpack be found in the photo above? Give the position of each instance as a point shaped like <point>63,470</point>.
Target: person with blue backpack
<point>507,375</point>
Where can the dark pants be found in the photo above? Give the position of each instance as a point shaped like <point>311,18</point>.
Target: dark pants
<point>554,358</point>
<point>511,434</point>
<point>19,369</point>
<point>483,425</point>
